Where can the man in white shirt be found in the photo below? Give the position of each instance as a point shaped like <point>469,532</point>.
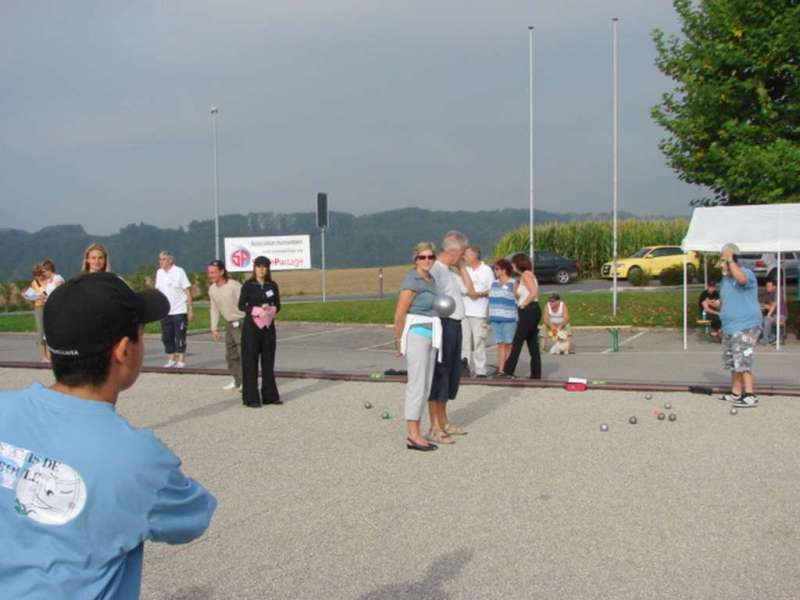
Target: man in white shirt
<point>475,324</point>
<point>172,281</point>
<point>224,295</point>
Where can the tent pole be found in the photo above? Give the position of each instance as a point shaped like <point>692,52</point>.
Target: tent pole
<point>685,294</point>
<point>705,269</point>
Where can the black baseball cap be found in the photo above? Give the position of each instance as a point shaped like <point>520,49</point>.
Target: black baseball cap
<point>261,261</point>
<point>87,315</point>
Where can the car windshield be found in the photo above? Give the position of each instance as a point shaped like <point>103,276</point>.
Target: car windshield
<point>641,252</point>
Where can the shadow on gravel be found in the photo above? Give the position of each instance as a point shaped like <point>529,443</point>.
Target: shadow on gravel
<point>484,406</point>
<point>443,570</point>
<point>203,411</point>
<point>314,386</point>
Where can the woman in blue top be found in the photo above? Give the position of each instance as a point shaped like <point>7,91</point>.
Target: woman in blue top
<point>415,325</point>
<point>503,310</point>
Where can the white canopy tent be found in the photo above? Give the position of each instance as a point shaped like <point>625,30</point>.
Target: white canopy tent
<point>754,228</point>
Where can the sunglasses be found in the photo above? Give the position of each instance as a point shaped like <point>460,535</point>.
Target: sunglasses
<point>426,257</point>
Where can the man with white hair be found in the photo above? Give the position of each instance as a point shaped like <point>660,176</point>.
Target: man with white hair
<point>475,325</point>
<point>448,274</point>
<point>172,281</point>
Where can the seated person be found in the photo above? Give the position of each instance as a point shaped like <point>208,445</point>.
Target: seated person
<point>709,308</point>
<point>557,328</point>
<point>769,306</point>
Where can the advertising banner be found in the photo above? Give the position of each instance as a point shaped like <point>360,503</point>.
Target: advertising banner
<point>285,252</point>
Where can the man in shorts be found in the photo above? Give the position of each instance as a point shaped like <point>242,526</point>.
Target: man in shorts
<point>81,489</point>
<point>741,326</point>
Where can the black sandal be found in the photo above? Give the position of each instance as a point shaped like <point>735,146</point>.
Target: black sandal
<point>412,445</point>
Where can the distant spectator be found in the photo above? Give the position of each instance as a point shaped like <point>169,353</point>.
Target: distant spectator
<point>709,307</point>
<point>475,325</point>
<point>172,281</point>
<point>37,296</point>
<point>770,308</point>
<point>223,292</point>
<point>95,259</point>
<point>529,314</point>
<point>503,310</point>
<point>557,326</point>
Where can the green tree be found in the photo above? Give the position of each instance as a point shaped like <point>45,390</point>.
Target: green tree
<point>733,117</point>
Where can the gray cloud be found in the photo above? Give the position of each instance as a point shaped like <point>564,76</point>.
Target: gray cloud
<point>381,104</point>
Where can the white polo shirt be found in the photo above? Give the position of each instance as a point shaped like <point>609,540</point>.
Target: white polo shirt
<point>173,284</point>
<point>482,277</point>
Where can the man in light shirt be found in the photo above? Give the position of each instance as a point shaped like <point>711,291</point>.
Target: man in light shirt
<point>172,281</point>
<point>224,295</point>
<point>475,324</point>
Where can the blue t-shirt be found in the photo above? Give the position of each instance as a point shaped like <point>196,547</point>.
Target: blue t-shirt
<point>425,293</point>
<point>80,492</point>
<point>739,303</point>
<point>502,304</point>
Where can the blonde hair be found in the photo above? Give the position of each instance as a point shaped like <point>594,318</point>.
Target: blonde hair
<point>421,247</point>
<point>85,267</point>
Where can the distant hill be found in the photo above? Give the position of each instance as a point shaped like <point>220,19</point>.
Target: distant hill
<point>377,239</point>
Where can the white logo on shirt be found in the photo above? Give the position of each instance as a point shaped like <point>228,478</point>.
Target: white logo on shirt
<point>47,491</point>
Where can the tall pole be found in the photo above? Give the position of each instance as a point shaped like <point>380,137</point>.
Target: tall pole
<point>530,141</point>
<point>214,112</point>
<point>324,289</point>
<point>615,176</point>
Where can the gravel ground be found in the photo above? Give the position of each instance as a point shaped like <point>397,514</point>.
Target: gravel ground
<point>319,498</point>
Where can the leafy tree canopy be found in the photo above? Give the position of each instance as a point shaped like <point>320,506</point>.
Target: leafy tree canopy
<point>733,117</point>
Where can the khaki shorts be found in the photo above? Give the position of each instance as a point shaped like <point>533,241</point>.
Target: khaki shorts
<point>738,350</point>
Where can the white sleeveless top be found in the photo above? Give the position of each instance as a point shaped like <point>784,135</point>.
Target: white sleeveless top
<point>556,317</point>
<point>522,292</point>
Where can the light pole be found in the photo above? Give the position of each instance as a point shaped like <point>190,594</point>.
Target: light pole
<point>530,141</point>
<point>615,176</point>
<point>214,113</point>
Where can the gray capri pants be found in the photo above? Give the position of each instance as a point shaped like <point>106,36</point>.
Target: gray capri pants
<point>38,317</point>
<point>420,361</point>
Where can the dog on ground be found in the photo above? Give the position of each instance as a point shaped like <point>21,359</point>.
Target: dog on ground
<point>561,344</point>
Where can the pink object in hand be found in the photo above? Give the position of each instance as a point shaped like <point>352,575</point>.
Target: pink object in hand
<point>263,317</point>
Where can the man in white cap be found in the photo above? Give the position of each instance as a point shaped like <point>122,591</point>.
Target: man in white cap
<point>741,326</point>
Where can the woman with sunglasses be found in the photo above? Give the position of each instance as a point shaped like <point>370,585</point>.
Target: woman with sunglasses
<point>417,336</point>
<point>503,310</point>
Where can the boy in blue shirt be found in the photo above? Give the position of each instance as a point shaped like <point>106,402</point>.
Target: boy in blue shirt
<point>80,489</point>
<point>741,326</point>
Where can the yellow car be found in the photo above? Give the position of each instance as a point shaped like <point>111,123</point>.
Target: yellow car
<point>653,259</point>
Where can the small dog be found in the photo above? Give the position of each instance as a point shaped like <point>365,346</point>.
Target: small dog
<point>561,344</point>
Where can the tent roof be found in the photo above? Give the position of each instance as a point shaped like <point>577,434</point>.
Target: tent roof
<point>754,228</point>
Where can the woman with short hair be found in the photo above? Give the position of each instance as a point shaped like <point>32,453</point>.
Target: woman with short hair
<point>417,336</point>
<point>503,310</point>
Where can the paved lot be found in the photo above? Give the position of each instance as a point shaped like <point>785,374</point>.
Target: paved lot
<point>318,498</point>
<point>645,355</point>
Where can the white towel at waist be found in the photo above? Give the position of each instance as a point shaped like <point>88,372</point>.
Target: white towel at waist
<point>436,332</point>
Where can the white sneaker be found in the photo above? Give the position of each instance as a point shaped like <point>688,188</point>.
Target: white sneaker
<point>231,386</point>
<point>180,365</point>
<point>170,363</point>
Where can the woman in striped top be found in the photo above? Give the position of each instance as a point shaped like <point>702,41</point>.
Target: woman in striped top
<point>503,310</point>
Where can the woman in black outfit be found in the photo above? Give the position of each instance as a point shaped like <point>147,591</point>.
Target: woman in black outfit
<point>259,291</point>
<point>528,316</point>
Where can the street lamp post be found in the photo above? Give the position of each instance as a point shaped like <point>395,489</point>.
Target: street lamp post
<point>530,142</point>
<point>615,175</point>
<point>214,113</point>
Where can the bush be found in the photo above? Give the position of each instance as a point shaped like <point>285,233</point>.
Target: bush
<point>671,276</point>
<point>639,278</point>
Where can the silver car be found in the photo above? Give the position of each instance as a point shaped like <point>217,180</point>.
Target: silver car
<point>765,264</point>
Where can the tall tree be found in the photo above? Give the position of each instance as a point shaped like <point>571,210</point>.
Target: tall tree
<point>734,117</point>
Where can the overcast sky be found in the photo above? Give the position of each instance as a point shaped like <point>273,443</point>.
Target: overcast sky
<point>383,104</point>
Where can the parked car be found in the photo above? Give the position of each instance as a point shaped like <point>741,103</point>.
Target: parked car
<point>653,259</point>
<point>765,264</point>
<point>549,266</point>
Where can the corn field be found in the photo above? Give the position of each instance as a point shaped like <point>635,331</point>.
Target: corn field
<point>590,242</point>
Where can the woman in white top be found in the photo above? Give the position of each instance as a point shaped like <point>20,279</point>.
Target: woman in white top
<point>528,316</point>
<point>556,319</point>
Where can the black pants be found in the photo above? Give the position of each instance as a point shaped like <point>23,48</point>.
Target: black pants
<point>527,333</point>
<point>173,333</point>
<point>258,343</point>
<point>447,374</point>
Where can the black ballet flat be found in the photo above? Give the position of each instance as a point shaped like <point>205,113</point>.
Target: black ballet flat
<point>252,405</point>
<point>277,401</point>
<point>412,445</point>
